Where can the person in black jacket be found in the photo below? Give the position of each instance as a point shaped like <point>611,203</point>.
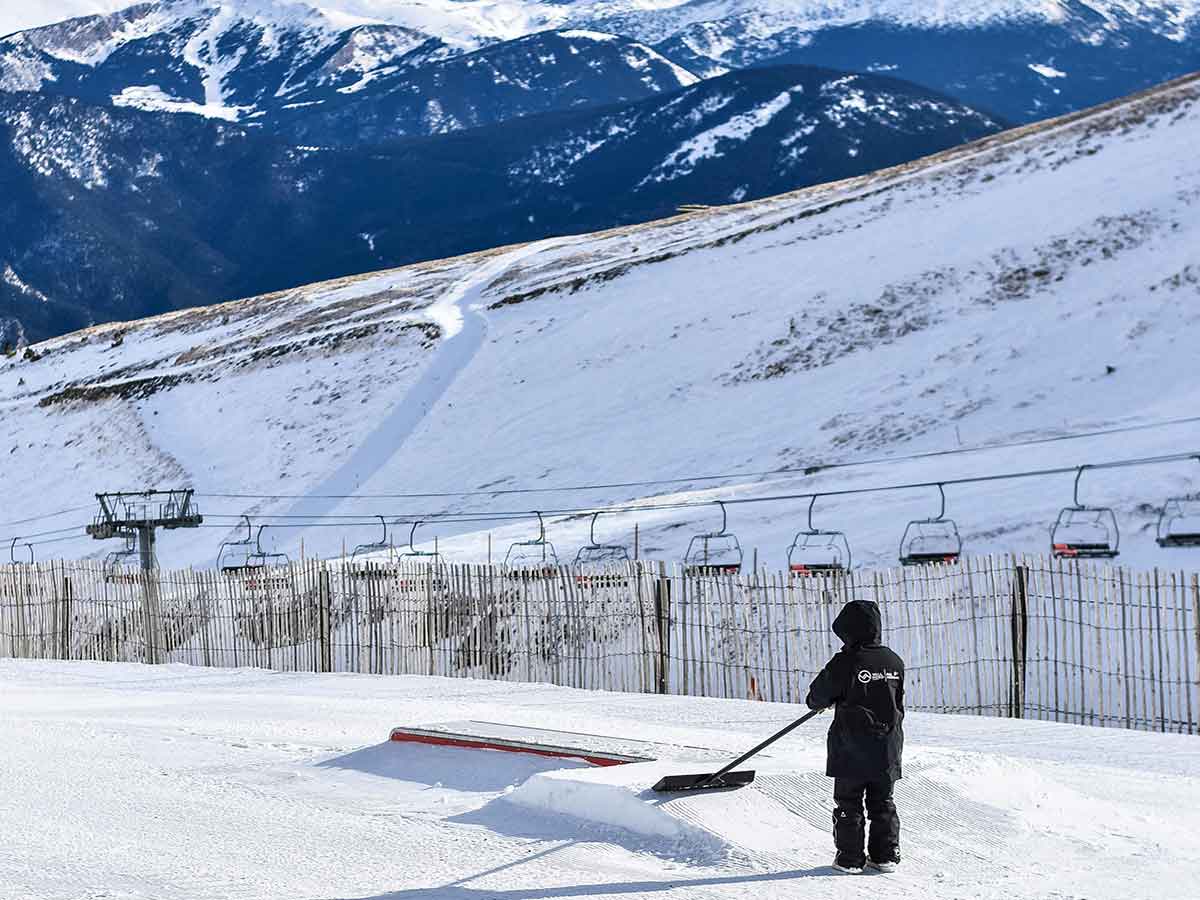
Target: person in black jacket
<point>865,682</point>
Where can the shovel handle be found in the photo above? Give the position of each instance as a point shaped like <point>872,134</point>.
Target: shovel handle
<point>716,776</point>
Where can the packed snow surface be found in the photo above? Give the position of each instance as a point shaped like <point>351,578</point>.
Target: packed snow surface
<point>180,784</point>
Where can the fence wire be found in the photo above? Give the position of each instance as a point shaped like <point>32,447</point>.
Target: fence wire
<point>1037,638</point>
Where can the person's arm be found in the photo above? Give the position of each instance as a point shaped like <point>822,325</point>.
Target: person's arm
<point>827,688</point>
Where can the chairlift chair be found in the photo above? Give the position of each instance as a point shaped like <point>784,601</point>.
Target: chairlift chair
<point>363,568</point>
<point>817,552</point>
<point>536,558</point>
<point>934,541</point>
<point>12,551</point>
<point>1085,532</point>
<point>431,558</point>
<point>260,560</point>
<point>115,561</point>
<point>596,562</point>
<point>383,545</point>
<point>1179,524</point>
<point>234,556</point>
<point>714,553</point>
<point>412,554</point>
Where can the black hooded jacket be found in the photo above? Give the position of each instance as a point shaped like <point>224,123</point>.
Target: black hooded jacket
<point>865,681</point>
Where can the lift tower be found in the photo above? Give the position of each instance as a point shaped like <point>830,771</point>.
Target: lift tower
<point>143,513</point>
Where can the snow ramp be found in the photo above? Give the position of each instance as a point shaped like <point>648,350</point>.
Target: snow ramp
<point>961,812</point>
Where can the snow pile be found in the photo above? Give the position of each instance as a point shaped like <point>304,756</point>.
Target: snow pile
<point>619,797</point>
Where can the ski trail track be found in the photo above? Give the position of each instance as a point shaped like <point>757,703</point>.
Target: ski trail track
<point>460,315</point>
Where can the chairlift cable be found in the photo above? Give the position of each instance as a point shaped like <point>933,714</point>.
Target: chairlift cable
<point>813,469</point>
<point>473,517</point>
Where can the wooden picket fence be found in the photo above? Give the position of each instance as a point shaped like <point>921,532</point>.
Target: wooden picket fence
<point>1036,638</point>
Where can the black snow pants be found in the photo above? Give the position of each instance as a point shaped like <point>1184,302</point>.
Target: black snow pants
<point>848,826</point>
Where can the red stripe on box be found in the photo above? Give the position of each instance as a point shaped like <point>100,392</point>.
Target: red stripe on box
<point>472,743</point>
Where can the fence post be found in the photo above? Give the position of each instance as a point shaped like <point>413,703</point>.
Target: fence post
<point>1196,622</point>
<point>1162,657</point>
<point>662,618</point>
<point>325,664</point>
<point>64,652</point>
<point>153,617</point>
<point>1020,640</point>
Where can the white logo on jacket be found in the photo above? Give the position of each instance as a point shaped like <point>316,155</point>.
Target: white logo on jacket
<point>866,677</point>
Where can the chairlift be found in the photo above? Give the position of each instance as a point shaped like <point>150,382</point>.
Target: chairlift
<point>366,567</point>
<point>261,559</point>
<point>1085,532</point>
<point>412,554</point>
<point>116,561</point>
<point>383,545</point>
<point>234,556</point>
<point>431,558</point>
<point>533,559</point>
<point>931,541</point>
<point>12,551</point>
<point>596,562</point>
<point>1179,524</point>
<point>817,552</point>
<point>715,553</point>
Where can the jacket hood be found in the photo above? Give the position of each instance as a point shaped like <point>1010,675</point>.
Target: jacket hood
<point>859,623</point>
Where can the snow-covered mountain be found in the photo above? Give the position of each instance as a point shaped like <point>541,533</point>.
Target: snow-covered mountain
<point>1036,284</point>
<point>285,67</point>
<point>1023,68</point>
<point>544,72</point>
<point>127,213</point>
<point>249,59</point>
<point>225,60</point>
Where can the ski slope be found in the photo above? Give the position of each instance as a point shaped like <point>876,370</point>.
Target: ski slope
<point>171,783</point>
<point>1036,285</point>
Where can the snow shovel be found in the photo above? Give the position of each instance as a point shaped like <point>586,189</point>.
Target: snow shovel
<point>726,779</point>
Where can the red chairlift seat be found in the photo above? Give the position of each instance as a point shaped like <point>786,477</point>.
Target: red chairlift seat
<point>1085,532</point>
<point>815,552</point>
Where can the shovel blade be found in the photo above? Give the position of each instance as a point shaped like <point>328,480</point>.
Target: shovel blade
<point>675,784</point>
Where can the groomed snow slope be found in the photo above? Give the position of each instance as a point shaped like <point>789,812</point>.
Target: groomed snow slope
<point>972,299</point>
<point>179,784</point>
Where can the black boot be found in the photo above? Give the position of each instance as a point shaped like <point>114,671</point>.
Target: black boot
<point>884,843</point>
